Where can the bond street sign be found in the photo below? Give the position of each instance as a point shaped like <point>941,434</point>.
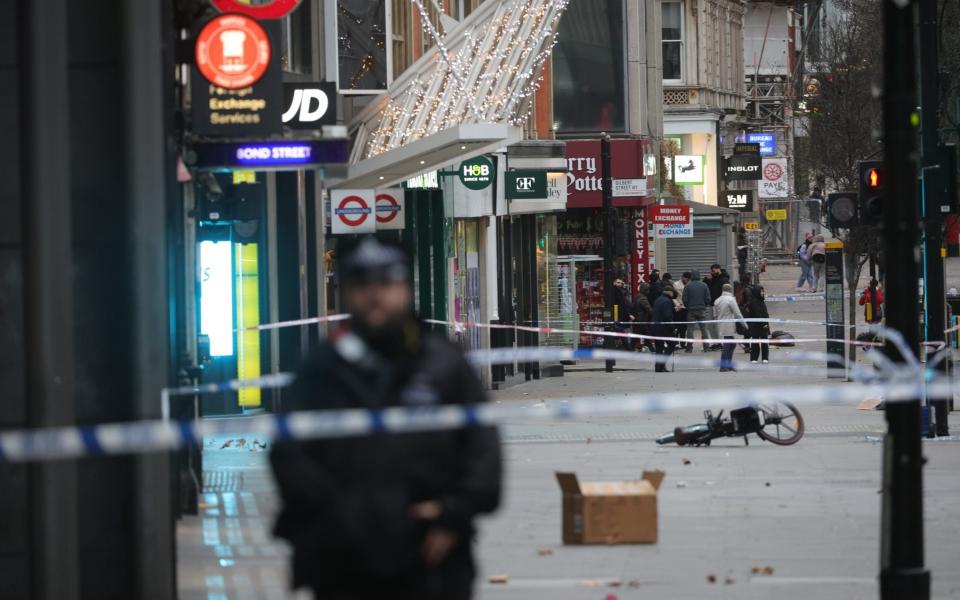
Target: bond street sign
<point>476,173</point>
<point>520,185</point>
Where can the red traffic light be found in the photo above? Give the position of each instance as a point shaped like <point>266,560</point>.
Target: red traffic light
<point>872,178</point>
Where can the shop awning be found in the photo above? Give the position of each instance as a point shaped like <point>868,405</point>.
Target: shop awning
<point>429,153</point>
<point>469,93</point>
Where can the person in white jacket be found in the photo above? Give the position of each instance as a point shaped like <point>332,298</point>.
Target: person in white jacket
<point>728,314</point>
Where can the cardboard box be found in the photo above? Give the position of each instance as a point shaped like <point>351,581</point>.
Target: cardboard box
<point>610,512</point>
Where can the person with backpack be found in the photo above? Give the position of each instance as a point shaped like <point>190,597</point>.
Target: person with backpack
<point>803,256</point>
<point>872,302</point>
<point>818,260</point>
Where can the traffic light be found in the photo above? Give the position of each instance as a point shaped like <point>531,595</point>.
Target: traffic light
<point>872,179</point>
<point>841,210</point>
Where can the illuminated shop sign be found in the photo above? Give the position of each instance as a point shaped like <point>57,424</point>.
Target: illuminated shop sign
<point>268,155</point>
<point>273,154</point>
<point>216,296</point>
<point>767,141</point>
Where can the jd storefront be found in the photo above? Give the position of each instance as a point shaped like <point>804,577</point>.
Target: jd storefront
<point>581,242</point>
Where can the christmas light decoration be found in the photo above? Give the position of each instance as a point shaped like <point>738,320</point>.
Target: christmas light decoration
<point>484,70</point>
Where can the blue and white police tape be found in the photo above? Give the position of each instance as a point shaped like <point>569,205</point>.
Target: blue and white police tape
<point>155,436</point>
<point>500,356</point>
<point>628,322</point>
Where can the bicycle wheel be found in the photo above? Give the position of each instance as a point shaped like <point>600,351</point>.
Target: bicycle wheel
<point>782,423</point>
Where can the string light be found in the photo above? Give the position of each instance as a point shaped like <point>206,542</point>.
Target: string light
<point>487,74</point>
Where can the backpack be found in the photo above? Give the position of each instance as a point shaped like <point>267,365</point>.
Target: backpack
<point>819,258</point>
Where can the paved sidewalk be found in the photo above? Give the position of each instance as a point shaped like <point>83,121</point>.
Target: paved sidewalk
<point>809,511</point>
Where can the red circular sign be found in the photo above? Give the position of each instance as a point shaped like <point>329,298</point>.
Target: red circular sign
<point>270,10</point>
<point>344,212</point>
<point>232,51</point>
<point>773,171</point>
<point>391,208</point>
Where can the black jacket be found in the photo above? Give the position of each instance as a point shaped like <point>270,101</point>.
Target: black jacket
<point>755,307</point>
<point>625,310</point>
<point>716,285</point>
<point>663,313</point>
<point>347,501</point>
<point>642,309</point>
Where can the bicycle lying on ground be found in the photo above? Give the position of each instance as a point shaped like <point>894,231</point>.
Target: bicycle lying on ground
<point>776,422</point>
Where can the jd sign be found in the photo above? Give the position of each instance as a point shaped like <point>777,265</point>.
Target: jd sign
<point>476,173</point>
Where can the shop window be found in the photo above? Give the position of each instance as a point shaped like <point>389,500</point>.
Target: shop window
<point>362,48</point>
<point>672,37</point>
<point>298,40</point>
<point>402,35</point>
<point>588,63</point>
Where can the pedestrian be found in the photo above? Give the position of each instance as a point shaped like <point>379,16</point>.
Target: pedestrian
<point>729,317</point>
<point>742,251</point>
<point>656,287</point>
<point>679,285</point>
<point>872,302</point>
<point>696,297</point>
<point>663,328</point>
<point>818,258</point>
<point>623,313</point>
<point>757,309</point>
<point>803,256</point>
<point>385,515</point>
<point>643,315</point>
<point>715,280</point>
<point>741,291</point>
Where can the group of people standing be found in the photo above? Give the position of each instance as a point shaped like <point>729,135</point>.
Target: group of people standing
<point>665,308</point>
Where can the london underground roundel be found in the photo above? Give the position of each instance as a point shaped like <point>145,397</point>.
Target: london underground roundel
<point>269,10</point>
<point>232,51</point>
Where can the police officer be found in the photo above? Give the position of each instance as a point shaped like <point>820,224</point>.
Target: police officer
<point>385,515</point>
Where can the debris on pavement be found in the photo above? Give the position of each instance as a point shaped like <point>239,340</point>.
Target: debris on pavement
<point>728,580</point>
<point>687,461</point>
<point>767,570</point>
<point>711,578</point>
<point>545,552</point>
<point>681,484</point>
<point>500,578</point>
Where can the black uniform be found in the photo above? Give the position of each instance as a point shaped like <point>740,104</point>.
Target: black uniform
<point>347,502</point>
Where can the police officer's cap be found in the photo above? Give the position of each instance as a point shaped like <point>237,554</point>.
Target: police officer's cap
<point>369,259</point>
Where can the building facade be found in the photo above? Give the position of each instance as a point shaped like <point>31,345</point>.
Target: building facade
<point>703,86</point>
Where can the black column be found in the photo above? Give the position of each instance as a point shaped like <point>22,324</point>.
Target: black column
<point>48,341</point>
<point>902,575</point>
<point>934,296</point>
<point>609,216</point>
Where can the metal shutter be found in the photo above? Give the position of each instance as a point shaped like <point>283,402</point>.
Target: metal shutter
<point>697,252</point>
